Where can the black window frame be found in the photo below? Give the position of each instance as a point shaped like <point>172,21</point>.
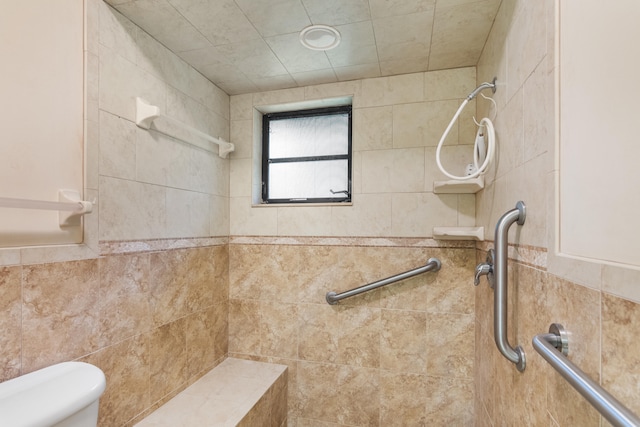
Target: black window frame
<point>266,161</point>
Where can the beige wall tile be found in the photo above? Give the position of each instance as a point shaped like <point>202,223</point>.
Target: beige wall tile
<point>304,221</point>
<point>449,84</point>
<point>391,90</point>
<point>619,354</point>
<point>403,346</point>
<point>403,399</point>
<point>126,368</point>
<point>422,124</point>
<point>117,147</point>
<point>167,359</point>
<point>449,407</point>
<point>59,320</point>
<point>455,360</point>
<point>124,289</point>
<point>10,322</point>
<point>318,331</point>
<point>372,128</point>
<point>359,336</point>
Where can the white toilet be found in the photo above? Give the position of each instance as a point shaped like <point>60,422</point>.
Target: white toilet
<point>62,395</point>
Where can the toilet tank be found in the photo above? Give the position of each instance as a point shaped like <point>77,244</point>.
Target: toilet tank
<point>62,395</point>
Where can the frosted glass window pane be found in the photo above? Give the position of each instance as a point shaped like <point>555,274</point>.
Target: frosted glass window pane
<point>309,136</point>
<point>308,179</point>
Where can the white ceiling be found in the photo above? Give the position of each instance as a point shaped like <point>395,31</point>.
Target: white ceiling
<point>252,45</point>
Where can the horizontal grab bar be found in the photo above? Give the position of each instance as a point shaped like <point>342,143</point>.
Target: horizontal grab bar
<point>433,264</point>
<point>553,347</point>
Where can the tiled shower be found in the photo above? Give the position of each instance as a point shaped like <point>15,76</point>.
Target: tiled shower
<point>195,274</point>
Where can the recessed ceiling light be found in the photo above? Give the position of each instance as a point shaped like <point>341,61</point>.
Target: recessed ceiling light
<point>319,37</point>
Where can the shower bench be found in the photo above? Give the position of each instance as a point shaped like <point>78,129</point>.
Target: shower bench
<point>237,392</point>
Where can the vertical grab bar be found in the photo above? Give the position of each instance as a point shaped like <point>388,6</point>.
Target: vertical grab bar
<point>515,355</point>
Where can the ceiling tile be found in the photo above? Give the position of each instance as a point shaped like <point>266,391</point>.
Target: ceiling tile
<point>164,23</point>
<point>222,72</point>
<point>458,36</point>
<point>386,8</point>
<point>252,45</point>
<point>414,28</point>
<point>254,58</point>
<point>337,12</point>
<point>238,87</point>
<point>201,57</point>
<point>275,82</point>
<point>358,72</point>
<point>220,21</point>
<point>315,77</point>
<point>273,17</point>
<point>295,57</point>
<point>403,66</point>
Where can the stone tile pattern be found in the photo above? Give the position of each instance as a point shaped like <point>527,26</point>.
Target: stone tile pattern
<point>153,322</point>
<point>400,355</point>
<point>235,393</point>
<point>602,328</point>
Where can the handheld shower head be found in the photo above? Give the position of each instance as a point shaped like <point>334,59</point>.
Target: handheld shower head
<point>485,85</point>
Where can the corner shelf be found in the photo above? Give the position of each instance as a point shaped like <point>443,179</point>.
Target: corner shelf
<point>469,186</point>
<point>458,233</point>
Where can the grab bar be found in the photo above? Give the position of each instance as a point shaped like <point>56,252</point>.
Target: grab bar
<point>553,347</point>
<point>433,264</point>
<point>515,355</point>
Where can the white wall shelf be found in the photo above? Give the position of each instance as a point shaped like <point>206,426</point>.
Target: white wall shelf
<point>469,186</point>
<point>458,233</point>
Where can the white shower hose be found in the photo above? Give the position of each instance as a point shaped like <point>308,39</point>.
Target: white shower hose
<point>490,149</point>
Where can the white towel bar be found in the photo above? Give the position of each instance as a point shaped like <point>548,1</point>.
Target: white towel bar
<point>147,113</point>
<point>70,207</point>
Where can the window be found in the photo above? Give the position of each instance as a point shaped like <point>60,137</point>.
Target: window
<point>307,156</point>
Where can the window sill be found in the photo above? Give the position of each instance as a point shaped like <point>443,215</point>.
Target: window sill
<point>288,205</point>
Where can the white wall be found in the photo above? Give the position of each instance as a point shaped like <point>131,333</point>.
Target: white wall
<point>599,150</point>
<point>41,116</point>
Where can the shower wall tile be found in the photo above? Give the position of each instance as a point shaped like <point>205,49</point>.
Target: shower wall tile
<point>620,349</point>
<point>394,130</point>
<point>391,90</point>
<point>449,84</point>
<point>528,43</point>
<point>448,405</point>
<point>117,147</point>
<point>376,341</point>
<point>372,128</point>
<point>10,321</point>
<point>422,124</point>
<point>126,368</point>
<point>101,311</point>
<point>124,289</point>
<point>304,221</point>
<point>79,303</point>
<point>455,359</point>
<point>135,210</point>
<point>60,319</point>
<point>403,398</point>
<point>168,362</point>
<point>403,346</point>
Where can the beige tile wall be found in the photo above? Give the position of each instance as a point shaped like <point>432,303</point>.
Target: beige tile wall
<point>594,302</point>
<point>397,124</point>
<point>145,298</point>
<point>399,356</point>
<point>153,322</point>
<point>150,185</point>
